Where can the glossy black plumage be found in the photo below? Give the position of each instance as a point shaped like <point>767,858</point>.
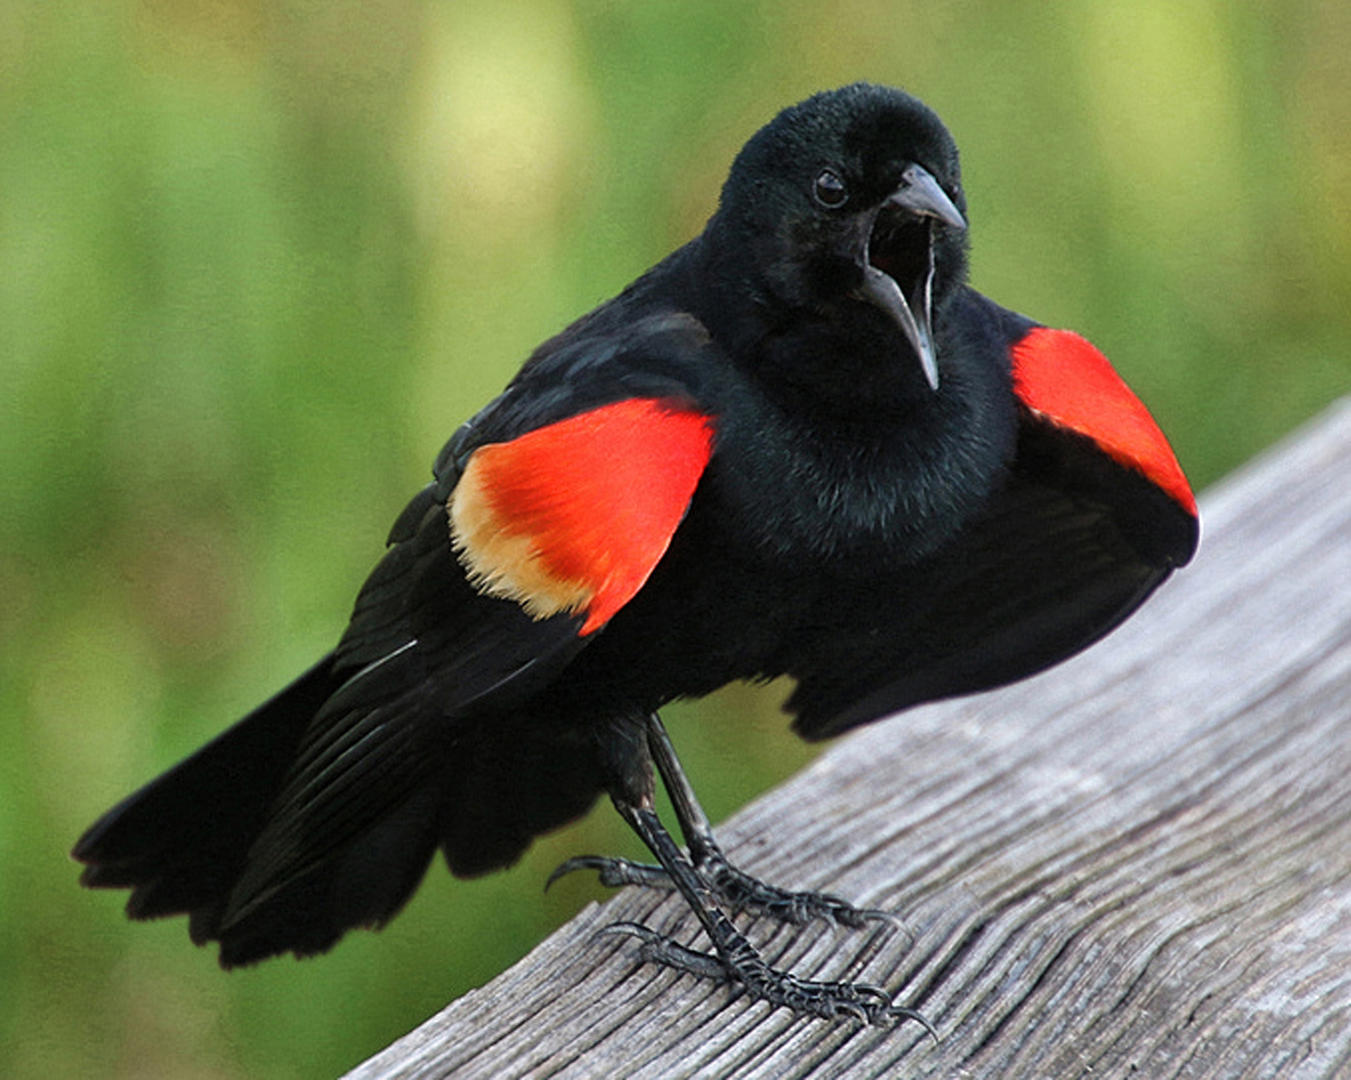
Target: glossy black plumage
<point>881,540</point>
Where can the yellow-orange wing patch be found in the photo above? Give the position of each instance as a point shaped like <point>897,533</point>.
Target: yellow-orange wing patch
<point>574,516</point>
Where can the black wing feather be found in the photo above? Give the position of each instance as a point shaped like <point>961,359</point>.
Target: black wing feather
<point>1068,547</point>
<point>322,809</point>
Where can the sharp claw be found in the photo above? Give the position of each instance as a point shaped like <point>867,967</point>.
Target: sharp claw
<point>878,915</point>
<point>854,1009</point>
<point>883,998</point>
<point>577,862</point>
<point>901,1012</point>
<point>856,918</point>
<point>557,873</point>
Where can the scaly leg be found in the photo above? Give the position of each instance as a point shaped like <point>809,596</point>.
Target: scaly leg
<point>703,879</point>
<point>736,959</point>
<point>733,886</point>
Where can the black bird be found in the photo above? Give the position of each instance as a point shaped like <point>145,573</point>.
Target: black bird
<point>800,445</point>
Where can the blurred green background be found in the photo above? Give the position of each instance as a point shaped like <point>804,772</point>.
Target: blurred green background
<point>258,260</point>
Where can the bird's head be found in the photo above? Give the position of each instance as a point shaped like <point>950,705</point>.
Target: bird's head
<point>849,206</point>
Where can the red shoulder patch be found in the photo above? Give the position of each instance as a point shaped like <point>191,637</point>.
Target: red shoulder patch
<point>1062,377</point>
<point>574,516</point>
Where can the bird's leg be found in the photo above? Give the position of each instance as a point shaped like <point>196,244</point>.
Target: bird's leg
<point>735,959</point>
<point>731,885</point>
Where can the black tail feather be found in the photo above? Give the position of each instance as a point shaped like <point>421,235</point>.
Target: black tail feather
<point>363,883</point>
<point>270,843</point>
<point>180,841</point>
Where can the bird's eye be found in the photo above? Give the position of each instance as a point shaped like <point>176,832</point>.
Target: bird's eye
<point>830,191</point>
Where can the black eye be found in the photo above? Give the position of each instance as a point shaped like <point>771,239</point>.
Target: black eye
<point>830,191</point>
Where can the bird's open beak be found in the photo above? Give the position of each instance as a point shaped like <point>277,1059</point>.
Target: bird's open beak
<point>898,259</point>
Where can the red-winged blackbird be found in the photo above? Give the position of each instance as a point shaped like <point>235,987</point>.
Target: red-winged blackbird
<point>800,445</point>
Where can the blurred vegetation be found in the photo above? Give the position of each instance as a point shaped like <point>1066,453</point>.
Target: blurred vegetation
<point>257,261</point>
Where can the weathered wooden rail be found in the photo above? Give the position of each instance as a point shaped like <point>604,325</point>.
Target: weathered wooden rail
<point>1138,864</point>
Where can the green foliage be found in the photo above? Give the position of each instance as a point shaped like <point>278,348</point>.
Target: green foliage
<point>258,261</point>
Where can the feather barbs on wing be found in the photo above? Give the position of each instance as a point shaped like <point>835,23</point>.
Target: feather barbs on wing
<point>1064,378</point>
<point>574,516</point>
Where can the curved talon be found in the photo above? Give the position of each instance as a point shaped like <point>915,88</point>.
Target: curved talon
<point>843,912</point>
<point>883,998</point>
<point>902,1012</point>
<point>878,915</point>
<point>854,1009</point>
<point>577,862</point>
<point>615,872</point>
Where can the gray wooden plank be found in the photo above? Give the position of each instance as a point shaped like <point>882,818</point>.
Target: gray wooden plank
<point>1136,864</point>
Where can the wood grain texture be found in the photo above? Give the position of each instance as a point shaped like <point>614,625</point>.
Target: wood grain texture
<point>1137,864</point>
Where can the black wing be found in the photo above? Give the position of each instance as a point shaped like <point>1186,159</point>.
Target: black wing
<point>1068,547</point>
<point>431,737</point>
<point>321,809</point>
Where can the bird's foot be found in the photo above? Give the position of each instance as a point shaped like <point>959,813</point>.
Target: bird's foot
<point>746,969</point>
<point>741,891</point>
<point>734,887</point>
